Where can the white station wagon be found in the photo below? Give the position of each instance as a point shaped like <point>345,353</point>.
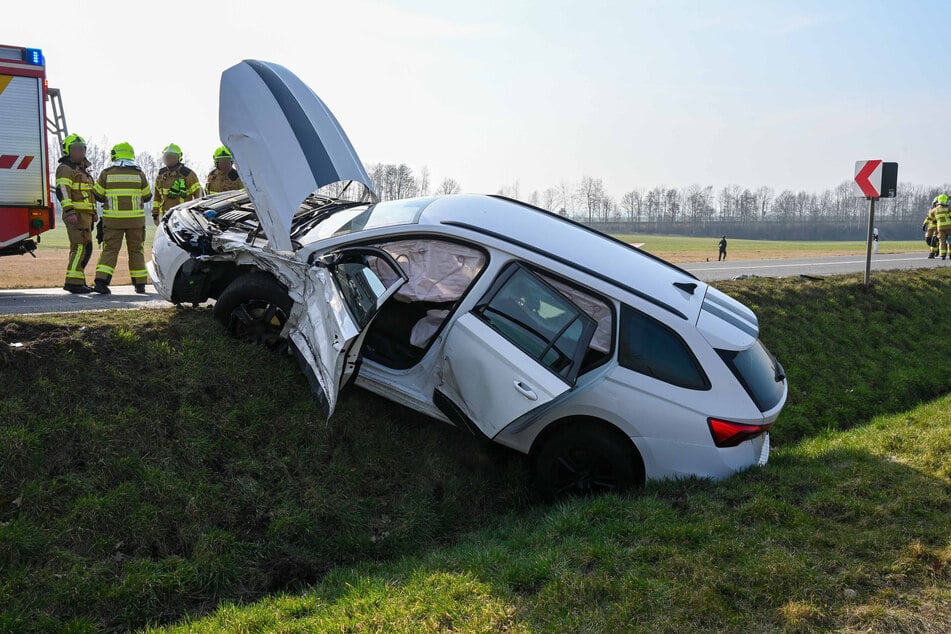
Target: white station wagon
<point>605,364</point>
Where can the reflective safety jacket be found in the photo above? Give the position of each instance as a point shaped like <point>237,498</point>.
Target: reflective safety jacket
<point>123,190</point>
<point>74,188</point>
<point>943,215</point>
<point>164,181</point>
<point>219,181</point>
<point>931,222</point>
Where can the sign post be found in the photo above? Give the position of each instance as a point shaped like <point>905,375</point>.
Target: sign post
<point>873,180</point>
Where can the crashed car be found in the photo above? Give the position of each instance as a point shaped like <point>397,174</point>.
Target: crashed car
<point>607,365</point>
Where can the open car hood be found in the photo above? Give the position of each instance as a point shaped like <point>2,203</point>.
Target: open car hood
<point>286,143</point>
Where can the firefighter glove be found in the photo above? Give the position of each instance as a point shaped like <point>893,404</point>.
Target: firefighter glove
<point>99,232</point>
<point>177,190</point>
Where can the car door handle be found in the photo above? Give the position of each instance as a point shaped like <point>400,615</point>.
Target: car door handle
<point>525,391</point>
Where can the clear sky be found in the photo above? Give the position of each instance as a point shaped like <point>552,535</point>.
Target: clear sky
<point>637,92</point>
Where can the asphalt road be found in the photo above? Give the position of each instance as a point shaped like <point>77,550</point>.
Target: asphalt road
<point>55,300</point>
<point>833,265</point>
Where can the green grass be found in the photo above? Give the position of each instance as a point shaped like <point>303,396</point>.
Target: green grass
<point>667,245</point>
<point>152,471</point>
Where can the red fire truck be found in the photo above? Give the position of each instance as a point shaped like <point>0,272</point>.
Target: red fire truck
<point>26,207</point>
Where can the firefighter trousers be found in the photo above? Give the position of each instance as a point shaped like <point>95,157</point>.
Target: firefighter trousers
<point>80,249</point>
<point>943,240</point>
<point>111,245</point>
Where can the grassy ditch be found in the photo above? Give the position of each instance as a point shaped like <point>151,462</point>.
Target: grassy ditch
<point>153,471</point>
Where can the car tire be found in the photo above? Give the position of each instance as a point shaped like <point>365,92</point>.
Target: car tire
<point>583,459</point>
<point>254,309</point>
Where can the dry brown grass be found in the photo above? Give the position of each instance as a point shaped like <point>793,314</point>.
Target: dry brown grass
<point>48,269</point>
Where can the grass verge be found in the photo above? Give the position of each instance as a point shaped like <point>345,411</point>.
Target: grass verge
<point>150,468</point>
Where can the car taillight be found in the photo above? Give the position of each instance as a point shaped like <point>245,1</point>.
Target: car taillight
<point>727,434</point>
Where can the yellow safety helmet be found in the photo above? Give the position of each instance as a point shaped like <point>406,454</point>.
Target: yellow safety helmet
<point>71,140</point>
<point>171,148</point>
<point>942,199</point>
<point>122,151</point>
<point>223,153</point>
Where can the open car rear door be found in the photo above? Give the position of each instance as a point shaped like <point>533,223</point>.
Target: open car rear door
<point>521,347</point>
<point>343,293</point>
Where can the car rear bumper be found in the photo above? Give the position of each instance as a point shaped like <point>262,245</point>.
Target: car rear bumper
<point>668,459</point>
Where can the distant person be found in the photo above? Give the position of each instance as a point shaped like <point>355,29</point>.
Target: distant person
<point>722,246</point>
<point>224,178</point>
<point>943,215</point>
<point>123,190</point>
<point>175,183</point>
<point>930,227</point>
<point>74,191</point>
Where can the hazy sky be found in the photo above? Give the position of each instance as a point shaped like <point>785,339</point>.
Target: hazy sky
<point>639,93</point>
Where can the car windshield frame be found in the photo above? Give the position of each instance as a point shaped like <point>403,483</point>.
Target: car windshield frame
<point>359,218</point>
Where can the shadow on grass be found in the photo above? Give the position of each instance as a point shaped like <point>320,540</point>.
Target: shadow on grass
<point>829,536</point>
<point>150,466</point>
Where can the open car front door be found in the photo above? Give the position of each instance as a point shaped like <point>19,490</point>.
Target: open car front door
<point>342,294</point>
<point>521,347</point>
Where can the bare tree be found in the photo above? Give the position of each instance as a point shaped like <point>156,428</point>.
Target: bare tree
<point>448,187</point>
<point>424,181</point>
<point>591,193</point>
<point>549,197</point>
<point>764,196</point>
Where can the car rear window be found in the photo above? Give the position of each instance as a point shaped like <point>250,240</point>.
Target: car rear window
<point>759,372</point>
<point>649,347</point>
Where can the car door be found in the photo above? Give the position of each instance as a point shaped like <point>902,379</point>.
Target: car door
<point>342,295</point>
<point>519,348</point>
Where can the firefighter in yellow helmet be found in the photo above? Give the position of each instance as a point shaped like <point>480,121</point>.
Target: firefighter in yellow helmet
<point>224,178</point>
<point>943,215</point>
<point>74,190</point>
<point>175,183</point>
<point>123,190</point>
<point>930,227</point>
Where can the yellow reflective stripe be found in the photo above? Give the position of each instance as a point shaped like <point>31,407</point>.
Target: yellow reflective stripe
<point>123,213</point>
<point>194,188</point>
<point>102,268</point>
<point>73,270</point>
<point>123,178</point>
<point>83,205</point>
<point>138,273</point>
<point>99,189</point>
<point>62,180</point>
<point>113,191</point>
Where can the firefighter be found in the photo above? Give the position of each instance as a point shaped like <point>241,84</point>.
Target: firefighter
<point>943,216</point>
<point>123,190</point>
<point>224,178</point>
<point>930,227</point>
<point>175,183</point>
<point>74,190</point>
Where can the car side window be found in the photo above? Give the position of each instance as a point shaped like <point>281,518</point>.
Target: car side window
<point>360,285</point>
<point>649,347</point>
<point>539,320</point>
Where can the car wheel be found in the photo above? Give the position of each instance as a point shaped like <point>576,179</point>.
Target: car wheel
<point>254,309</point>
<point>586,460</point>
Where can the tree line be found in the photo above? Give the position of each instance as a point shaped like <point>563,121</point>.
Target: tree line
<point>588,200</point>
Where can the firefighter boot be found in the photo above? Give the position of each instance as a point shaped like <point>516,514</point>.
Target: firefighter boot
<point>140,289</point>
<point>102,286</point>
<point>77,289</point>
